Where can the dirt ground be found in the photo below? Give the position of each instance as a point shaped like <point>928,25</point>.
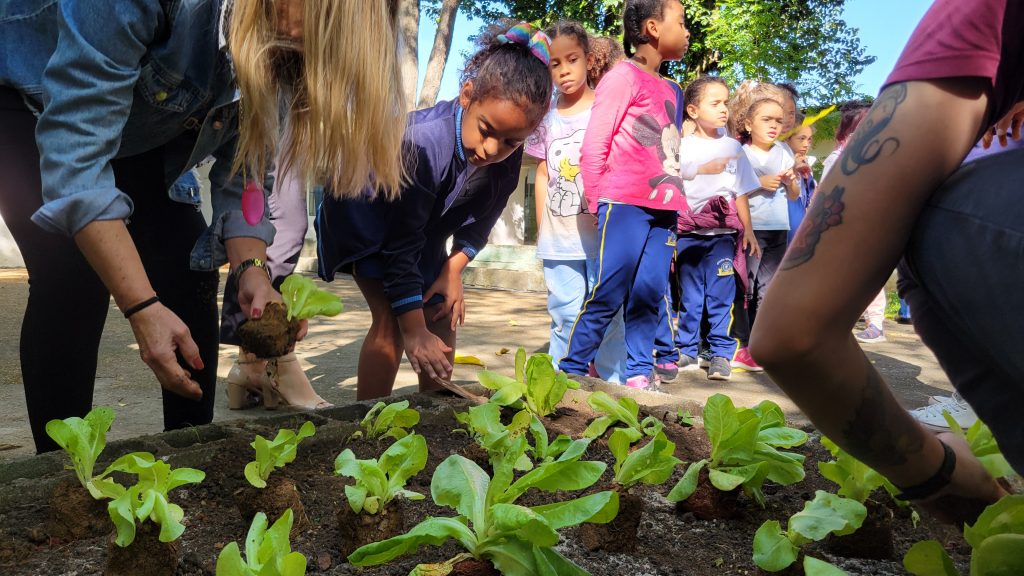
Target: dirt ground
<point>495,319</point>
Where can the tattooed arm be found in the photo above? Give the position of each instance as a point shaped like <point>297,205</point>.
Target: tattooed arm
<point>844,251</point>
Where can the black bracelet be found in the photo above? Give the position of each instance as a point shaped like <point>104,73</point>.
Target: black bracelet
<point>141,306</point>
<point>251,263</point>
<point>937,482</point>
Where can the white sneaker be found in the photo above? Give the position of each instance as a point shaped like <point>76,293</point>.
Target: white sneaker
<point>932,400</point>
<point>931,416</point>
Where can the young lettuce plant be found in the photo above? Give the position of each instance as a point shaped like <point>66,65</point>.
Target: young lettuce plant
<point>84,439</point>
<point>745,450</point>
<point>625,411</point>
<point>148,498</point>
<point>653,464</point>
<point>996,539</point>
<point>387,421</point>
<point>275,454</point>
<point>268,552</point>
<point>536,386</point>
<point>379,481</point>
<point>501,442</point>
<point>776,549</point>
<point>983,445</point>
<point>856,479</point>
<point>304,300</point>
<point>517,539</point>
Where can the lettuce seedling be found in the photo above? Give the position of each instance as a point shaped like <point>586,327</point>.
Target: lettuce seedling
<point>517,539</point>
<point>546,450</point>
<point>502,443</point>
<point>268,552</point>
<point>745,450</point>
<point>996,539</point>
<point>84,439</point>
<point>983,445</point>
<point>387,421</point>
<point>379,481</point>
<point>274,454</point>
<point>304,300</point>
<point>775,549</point>
<point>652,464</point>
<point>856,479</point>
<point>148,498</point>
<point>536,386</point>
<point>625,411</point>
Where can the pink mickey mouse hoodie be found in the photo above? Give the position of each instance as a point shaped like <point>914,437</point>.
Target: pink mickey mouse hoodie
<point>630,153</point>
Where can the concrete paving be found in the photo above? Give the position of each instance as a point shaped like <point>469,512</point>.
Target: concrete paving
<point>495,320</point>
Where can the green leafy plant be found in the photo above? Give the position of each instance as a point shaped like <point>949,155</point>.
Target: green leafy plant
<point>271,454</point>
<point>388,421</point>
<point>983,445</point>
<point>304,300</point>
<point>546,450</point>
<point>84,440</point>
<point>685,418</point>
<point>268,552</point>
<point>509,443</point>
<point>517,539</point>
<point>996,539</point>
<point>379,481</point>
<point>536,386</point>
<point>625,411</point>
<point>148,498</point>
<point>652,464</point>
<point>776,549</point>
<point>856,479</point>
<point>745,450</point>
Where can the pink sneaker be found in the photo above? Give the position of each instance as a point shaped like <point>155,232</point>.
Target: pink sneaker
<point>638,382</point>
<point>592,370</point>
<point>743,361</point>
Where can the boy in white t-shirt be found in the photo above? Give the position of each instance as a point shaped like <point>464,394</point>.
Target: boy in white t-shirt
<point>714,231</point>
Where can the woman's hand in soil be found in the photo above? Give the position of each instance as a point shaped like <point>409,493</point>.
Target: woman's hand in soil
<point>428,354</point>
<point>160,333</point>
<point>449,285</point>
<point>970,490</point>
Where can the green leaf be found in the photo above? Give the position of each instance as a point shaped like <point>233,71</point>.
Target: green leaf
<point>598,427</point>
<point>599,508</point>
<point>430,532</point>
<point>929,558</point>
<point>460,484</point>
<point>440,568</point>
<point>720,421</point>
<point>738,447</point>
<point>825,514</point>
<point>625,410</point>
<point>652,464</point>
<point>523,523</point>
<point>815,567</point>
<point>404,459</point>
<point>772,549</point>
<point>1005,516</point>
<point>252,474</point>
<point>84,440</point>
<point>687,485</point>
<point>999,555</point>
<point>554,476</point>
<point>122,513</point>
<point>493,380</point>
<point>730,478</point>
<point>782,437</point>
<point>550,563</point>
<point>230,563</point>
<point>304,300</point>
<point>521,365</point>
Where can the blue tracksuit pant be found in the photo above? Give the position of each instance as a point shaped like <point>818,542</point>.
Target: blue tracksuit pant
<point>665,337</point>
<point>708,286</point>
<point>633,263</point>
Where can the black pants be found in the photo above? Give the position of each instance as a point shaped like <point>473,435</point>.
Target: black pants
<point>67,303</point>
<point>760,271</point>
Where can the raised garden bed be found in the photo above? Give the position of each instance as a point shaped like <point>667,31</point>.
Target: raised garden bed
<point>670,540</point>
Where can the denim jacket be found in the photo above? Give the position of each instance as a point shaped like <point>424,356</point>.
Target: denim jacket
<point>114,78</point>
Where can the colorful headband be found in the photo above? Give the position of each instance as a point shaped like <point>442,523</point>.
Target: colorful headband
<point>538,42</point>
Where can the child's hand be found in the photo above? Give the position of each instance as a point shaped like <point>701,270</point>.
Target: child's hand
<point>750,245</point>
<point>449,285</point>
<point>771,183</point>
<point>787,177</point>
<point>428,354</point>
<point>802,167</point>
<point>716,166</point>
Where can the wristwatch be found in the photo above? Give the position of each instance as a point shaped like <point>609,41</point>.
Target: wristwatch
<point>251,263</point>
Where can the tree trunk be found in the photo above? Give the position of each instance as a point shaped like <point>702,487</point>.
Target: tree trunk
<point>408,51</point>
<point>439,53</point>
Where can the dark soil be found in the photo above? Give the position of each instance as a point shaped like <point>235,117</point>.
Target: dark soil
<point>75,514</point>
<point>619,535</point>
<point>473,567</point>
<point>271,335</point>
<point>872,540</point>
<point>279,495</point>
<point>670,542</point>
<point>710,503</point>
<point>357,530</point>
<point>145,555</point>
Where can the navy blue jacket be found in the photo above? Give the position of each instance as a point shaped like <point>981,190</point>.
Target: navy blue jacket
<point>445,198</point>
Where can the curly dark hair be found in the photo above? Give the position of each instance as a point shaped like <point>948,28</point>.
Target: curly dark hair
<point>633,18</point>
<point>607,52</point>
<point>508,71</point>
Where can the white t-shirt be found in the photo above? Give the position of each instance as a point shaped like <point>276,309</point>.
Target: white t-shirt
<point>566,233</point>
<point>769,210</point>
<point>738,179</point>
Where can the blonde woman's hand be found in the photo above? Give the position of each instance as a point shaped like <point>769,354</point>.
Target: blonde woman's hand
<point>162,336</point>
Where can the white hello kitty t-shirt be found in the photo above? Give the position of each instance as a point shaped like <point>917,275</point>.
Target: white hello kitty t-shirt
<point>566,232</point>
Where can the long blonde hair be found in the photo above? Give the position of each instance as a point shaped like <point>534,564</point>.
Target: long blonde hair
<point>347,110</point>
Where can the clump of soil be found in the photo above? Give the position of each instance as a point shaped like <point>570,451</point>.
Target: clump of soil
<point>279,495</point>
<point>474,567</point>
<point>145,555</point>
<point>619,535</point>
<point>872,540</point>
<point>357,530</point>
<point>710,503</point>
<point>271,335</point>
<point>75,514</point>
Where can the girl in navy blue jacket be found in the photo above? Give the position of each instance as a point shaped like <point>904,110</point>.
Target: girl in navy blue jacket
<point>464,157</point>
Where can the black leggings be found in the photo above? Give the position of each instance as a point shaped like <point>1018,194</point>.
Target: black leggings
<point>67,303</point>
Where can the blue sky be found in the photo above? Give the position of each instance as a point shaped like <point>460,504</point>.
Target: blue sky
<point>885,26</point>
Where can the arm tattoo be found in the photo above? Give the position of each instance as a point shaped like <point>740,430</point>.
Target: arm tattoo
<point>826,212</point>
<point>881,432</point>
<point>867,143</point>
<point>870,141</point>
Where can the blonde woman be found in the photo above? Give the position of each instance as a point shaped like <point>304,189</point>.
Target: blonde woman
<point>112,100</point>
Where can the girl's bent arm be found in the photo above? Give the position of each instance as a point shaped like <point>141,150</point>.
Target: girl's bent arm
<point>613,96</point>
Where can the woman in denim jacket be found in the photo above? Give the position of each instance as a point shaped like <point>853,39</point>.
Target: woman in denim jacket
<point>105,103</point>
